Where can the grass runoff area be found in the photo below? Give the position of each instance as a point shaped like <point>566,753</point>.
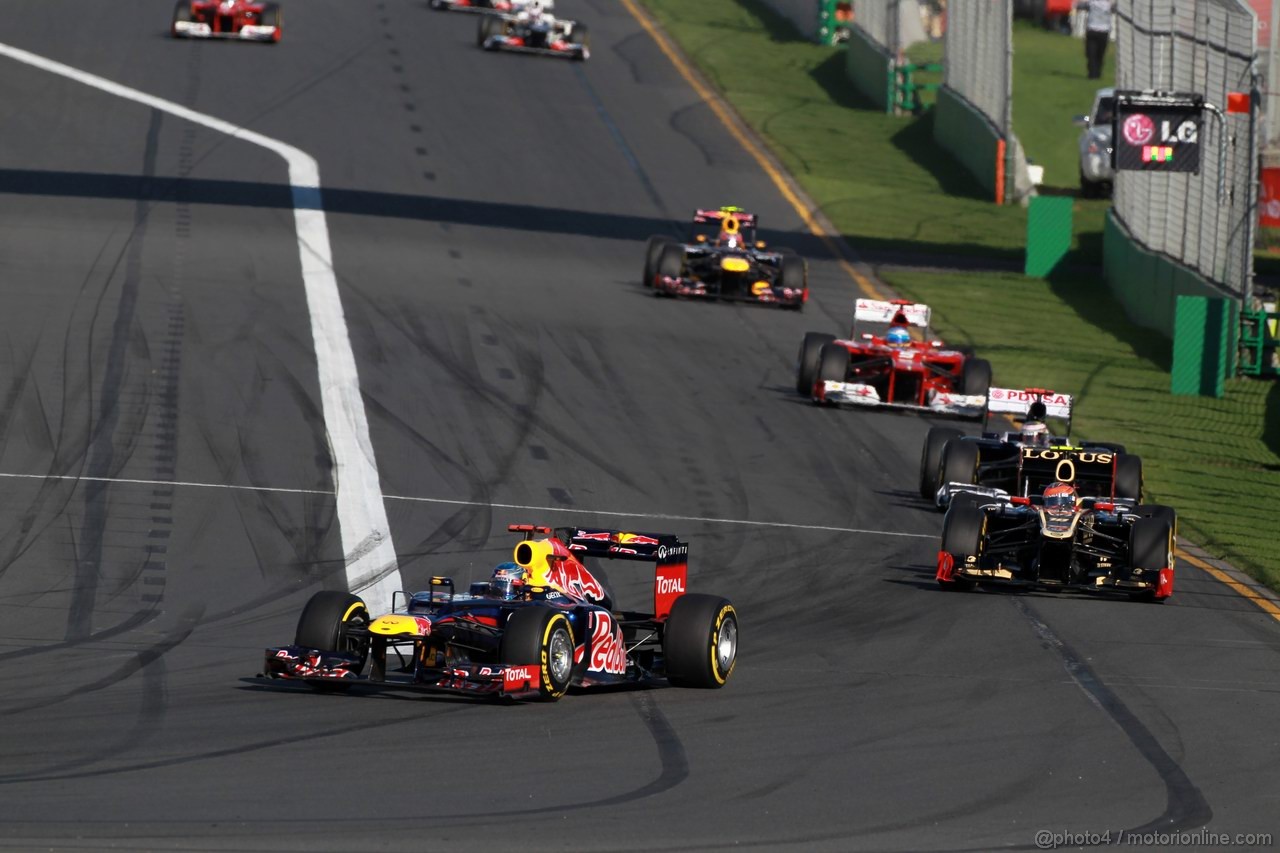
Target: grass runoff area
<point>895,196</point>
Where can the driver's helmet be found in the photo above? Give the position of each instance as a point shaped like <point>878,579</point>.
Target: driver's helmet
<point>1035,433</point>
<point>898,336</point>
<point>1060,496</point>
<point>507,581</point>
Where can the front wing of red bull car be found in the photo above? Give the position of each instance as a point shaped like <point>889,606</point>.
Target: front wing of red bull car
<point>558,630</point>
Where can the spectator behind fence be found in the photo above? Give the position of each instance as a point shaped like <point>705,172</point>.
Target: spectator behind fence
<point>1097,33</point>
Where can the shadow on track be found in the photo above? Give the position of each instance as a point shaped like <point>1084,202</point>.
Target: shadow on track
<point>519,217</point>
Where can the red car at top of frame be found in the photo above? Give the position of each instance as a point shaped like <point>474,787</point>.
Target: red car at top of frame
<point>890,360</point>
<point>247,20</point>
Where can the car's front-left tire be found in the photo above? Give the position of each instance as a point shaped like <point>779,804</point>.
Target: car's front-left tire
<point>326,625</point>
<point>541,637</point>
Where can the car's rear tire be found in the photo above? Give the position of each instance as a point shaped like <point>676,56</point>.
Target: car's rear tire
<point>325,624</point>
<point>807,367</point>
<point>1128,485</point>
<point>181,14</point>
<point>1109,446</point>
<point>700,641</point>
<point>833,363</point>
<point>962,537</point>
<point>959,462</point>
<point>652,252</point>
<point>975,376</point>
<point>935,442</point>
<point>541,637</point>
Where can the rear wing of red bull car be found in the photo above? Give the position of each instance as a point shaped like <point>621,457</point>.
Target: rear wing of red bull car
<point>668,553</point>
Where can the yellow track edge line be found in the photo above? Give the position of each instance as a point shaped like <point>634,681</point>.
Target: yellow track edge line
<point>1241,589</point>
<point>735,127</point>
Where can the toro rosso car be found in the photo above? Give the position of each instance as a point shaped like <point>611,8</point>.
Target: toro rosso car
<point>249,20</point>
<point>724,260</point>
<point>1000,464</point>
<point>541,625</point>
<point>1059,540</point>
<point>546,34</point>
<point>883,363</point>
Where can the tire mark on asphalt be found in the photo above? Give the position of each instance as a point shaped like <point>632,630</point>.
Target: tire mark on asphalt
<point>102,451</point>
<point>1185,805</point>
<point>187,622</point>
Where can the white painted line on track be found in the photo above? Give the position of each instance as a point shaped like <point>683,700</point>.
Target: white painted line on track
<point>662,516</point>
<point>362,517</point>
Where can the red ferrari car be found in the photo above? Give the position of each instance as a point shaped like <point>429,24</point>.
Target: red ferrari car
<point>890,360</point>
<point>249,20</point>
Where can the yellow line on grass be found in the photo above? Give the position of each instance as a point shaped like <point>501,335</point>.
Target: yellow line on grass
<point>731,124</point>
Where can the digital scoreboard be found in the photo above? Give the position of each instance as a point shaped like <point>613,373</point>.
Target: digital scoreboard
<point>1157,131</point>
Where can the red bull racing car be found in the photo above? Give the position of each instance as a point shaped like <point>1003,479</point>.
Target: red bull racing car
<point>249,20</point>
<point>724,260</point>
<point>882,363</point>
<point>541,625</point>
<point>1059,540</point>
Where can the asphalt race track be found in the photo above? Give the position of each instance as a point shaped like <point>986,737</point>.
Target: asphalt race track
<point>488,216</point>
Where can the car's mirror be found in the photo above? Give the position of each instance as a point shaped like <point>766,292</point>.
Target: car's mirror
<point>1080,121</point>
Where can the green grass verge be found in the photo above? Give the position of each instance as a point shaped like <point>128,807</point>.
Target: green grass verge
<point>885,185</point>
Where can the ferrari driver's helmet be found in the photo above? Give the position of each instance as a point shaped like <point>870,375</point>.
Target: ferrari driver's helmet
<point>507,581</point>
<point>1035,433</point>
<point>1060,496</point>
<point>898,336</point>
